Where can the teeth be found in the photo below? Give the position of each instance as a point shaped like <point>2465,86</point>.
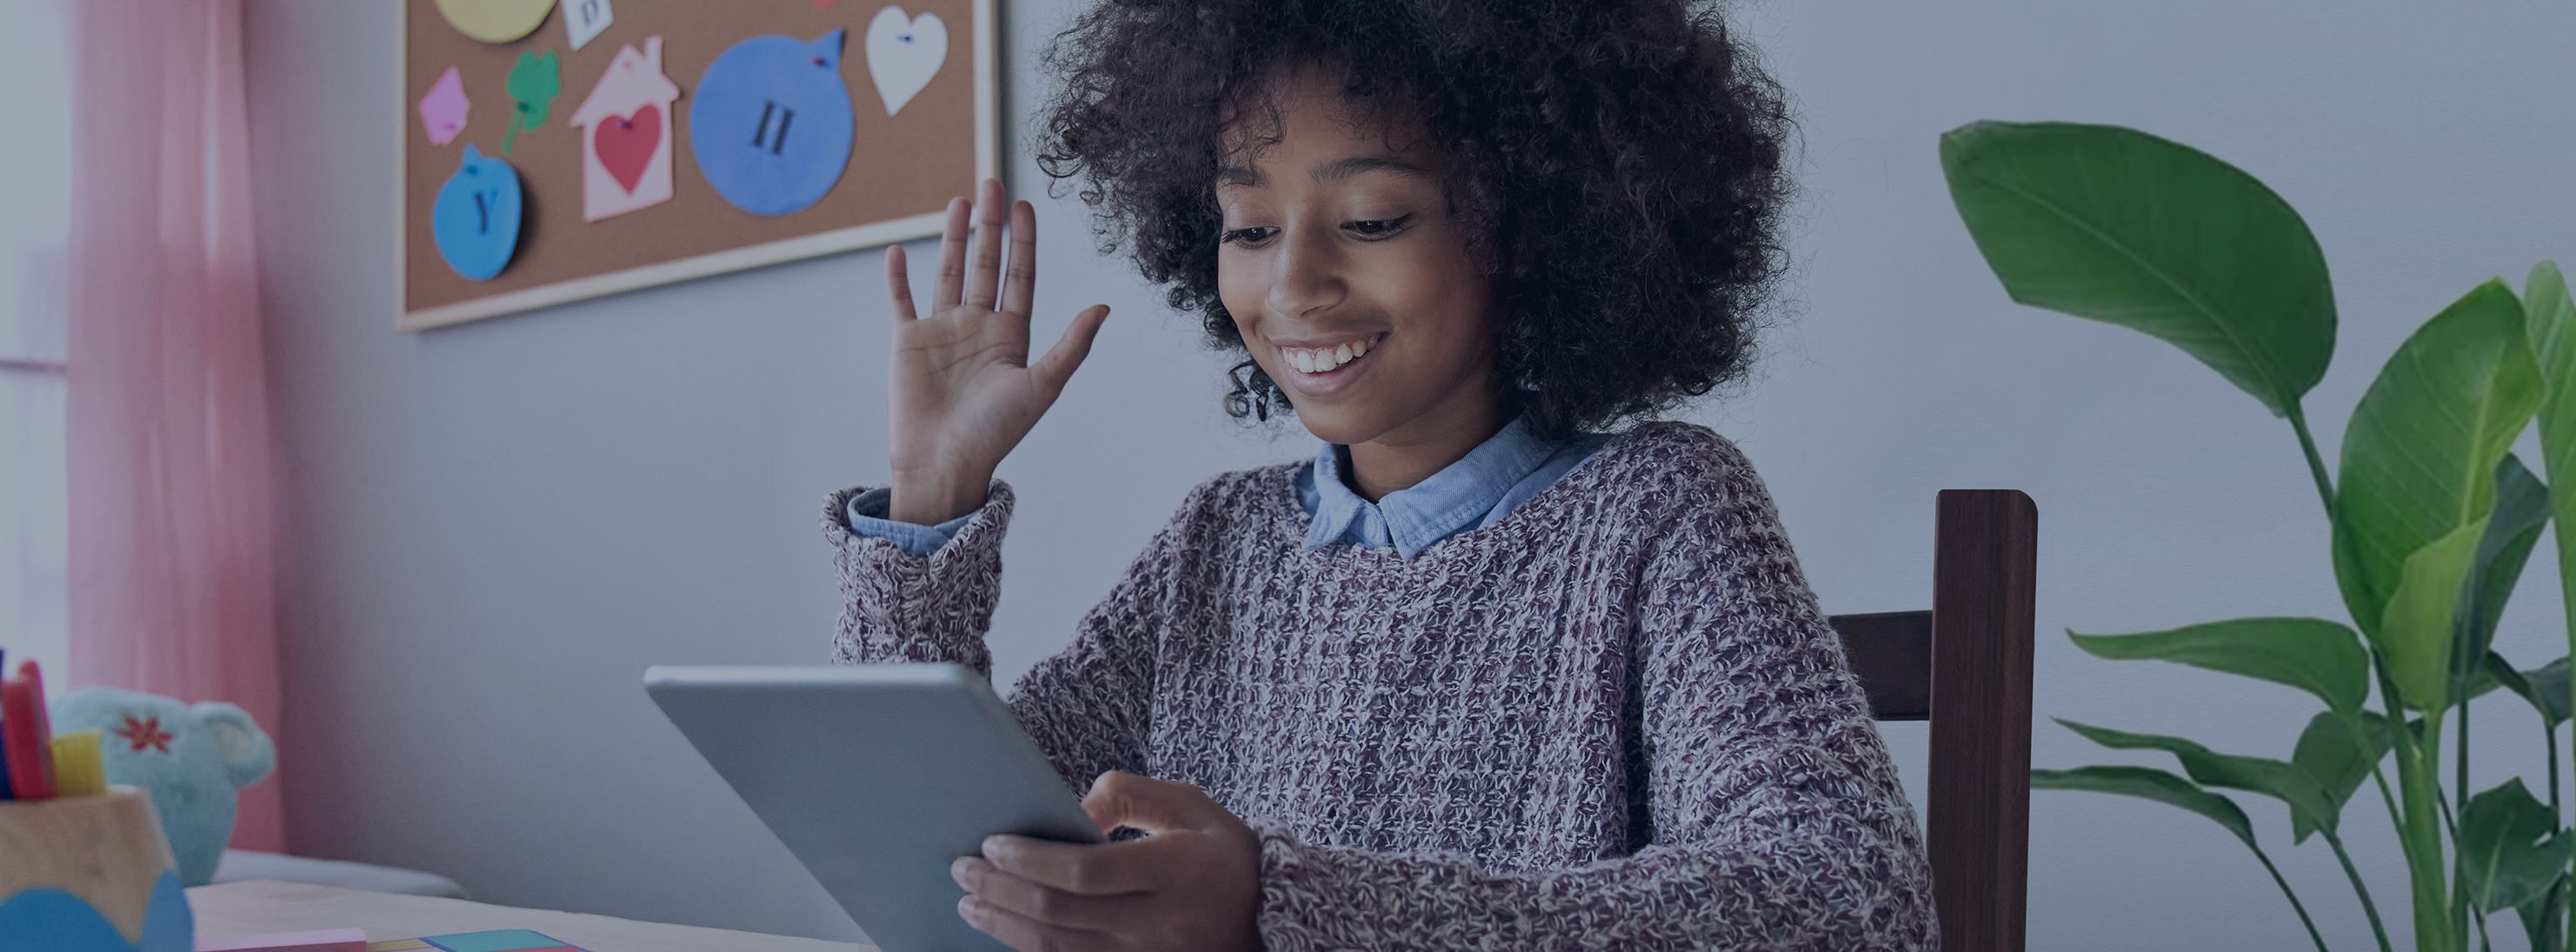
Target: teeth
<point>1315,361</point>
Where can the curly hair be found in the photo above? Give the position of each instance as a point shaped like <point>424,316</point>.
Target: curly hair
<point>1620,163</point>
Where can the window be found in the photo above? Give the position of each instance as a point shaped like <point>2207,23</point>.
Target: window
<point>35,216</point>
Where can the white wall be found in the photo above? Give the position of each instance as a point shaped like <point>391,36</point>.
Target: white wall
<point>496,527</point>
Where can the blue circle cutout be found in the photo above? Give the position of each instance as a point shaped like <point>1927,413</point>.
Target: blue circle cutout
<point>770,124</point>
<point>476,220</point>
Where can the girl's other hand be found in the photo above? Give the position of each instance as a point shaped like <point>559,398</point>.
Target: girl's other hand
<point>1193,882</point>
<point>964,389</point>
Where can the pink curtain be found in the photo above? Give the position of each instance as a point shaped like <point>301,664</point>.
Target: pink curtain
<point>172,572</point>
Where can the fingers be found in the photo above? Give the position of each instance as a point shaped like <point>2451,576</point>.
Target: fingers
<point>899,284</point>
<point>1120,798</point>
<point>1057,365</point>
<point>1099,869</point>
<point>1043,903</point>
<point>983,278</point>
<point>1019,283</point>
<point>1023,933</point>
<point>952,257</point>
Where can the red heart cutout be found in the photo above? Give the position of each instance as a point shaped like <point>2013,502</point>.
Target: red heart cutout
<point>626,145</point>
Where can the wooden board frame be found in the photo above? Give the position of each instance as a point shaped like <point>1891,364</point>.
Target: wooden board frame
<point>983,46</point>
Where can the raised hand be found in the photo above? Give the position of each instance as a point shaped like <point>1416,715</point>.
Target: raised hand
<point>965,391</point>
<point>1192,883</point>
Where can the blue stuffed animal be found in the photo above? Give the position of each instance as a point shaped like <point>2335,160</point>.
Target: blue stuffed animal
<point>194,759</point>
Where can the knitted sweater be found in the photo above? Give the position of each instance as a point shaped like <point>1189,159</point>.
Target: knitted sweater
<point>1614,719</point>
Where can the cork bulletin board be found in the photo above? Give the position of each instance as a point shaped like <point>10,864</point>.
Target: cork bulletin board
<point>682,138</point>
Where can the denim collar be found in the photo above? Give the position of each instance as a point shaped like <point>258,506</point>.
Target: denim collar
<point>1461,496</point>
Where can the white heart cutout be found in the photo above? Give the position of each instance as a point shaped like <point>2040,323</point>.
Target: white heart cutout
<point>904,53</point>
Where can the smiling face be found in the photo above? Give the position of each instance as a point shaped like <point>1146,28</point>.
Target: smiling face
<point>1354,288</point>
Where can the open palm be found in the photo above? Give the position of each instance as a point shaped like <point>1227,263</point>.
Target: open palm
<point>965,391</point>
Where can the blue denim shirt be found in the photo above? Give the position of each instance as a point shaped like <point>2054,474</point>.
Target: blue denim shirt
<point>1472,493</point>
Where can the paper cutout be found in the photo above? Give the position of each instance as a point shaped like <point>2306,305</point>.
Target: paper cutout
<point>824,4</point>
<point>442,112</point>
<point>495,21</point>
<point>476,219</point>
<point>770,123</point>
<point>583,19</point>
<point>627,145</point>
<point>626,150</point>
<point>534,83</point>
<point>904,54</point>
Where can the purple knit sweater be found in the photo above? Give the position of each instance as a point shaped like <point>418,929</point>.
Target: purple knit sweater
<point>1615,719</point>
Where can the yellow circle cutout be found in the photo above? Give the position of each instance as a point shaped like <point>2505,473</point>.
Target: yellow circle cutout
<point>495,21</point>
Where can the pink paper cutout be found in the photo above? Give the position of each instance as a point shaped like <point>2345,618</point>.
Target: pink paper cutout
<point>442,112</point>
<point>626,150</point>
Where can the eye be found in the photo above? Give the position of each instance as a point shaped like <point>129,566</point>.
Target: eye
<point>1246,237</point>
<point>1377,228</point>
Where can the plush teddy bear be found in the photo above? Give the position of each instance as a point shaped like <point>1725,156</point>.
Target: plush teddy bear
<point>192,758</point>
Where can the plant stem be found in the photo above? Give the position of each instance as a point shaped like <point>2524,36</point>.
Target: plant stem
<point>2377,929</point>
<point>2419,828</point>
<point>2316,464</point>
<point>2295,904</point>
<point>2460,789</point>
<point>2549,742</point>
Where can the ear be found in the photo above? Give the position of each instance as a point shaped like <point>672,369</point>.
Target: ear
<point>248,753</point>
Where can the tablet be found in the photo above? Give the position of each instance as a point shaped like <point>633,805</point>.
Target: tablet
<point>876,777</point>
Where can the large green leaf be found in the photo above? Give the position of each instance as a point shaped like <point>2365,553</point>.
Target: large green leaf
<point>2550,318</point>
<point>2419,457</point>
<point>2540,916</point>
<point>2336,760</point>
<point>2278,779</point>
<point>2120,226</point>
<point>2320,657</point>
<point>2545,686</point>
<point>2150,784</point>
<point>2421,622</point>
<point>2521,511</point>
<point>2510,850</point>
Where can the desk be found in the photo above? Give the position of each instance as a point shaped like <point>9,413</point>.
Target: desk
<point>259,907</point>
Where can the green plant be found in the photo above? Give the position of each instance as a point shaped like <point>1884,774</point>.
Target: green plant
<point>2431,516</point>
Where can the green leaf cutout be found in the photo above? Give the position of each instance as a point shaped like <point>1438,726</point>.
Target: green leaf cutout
<point>2116,225</point>
<point>2550,320</point>
<point>2280,780</point>
<point>2320,657</point>
<point>2510,851</point>
<point>2331,755</point>
<point>534,83</point>
<point>2417,630</point>
<point>2148,783</point>
<point>2420,455</point>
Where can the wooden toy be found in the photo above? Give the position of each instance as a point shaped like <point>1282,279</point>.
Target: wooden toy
<point>90,874</point>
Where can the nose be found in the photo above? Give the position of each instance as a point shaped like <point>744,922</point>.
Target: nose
<point>1309,276</point>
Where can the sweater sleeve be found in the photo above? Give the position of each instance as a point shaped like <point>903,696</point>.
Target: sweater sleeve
<point>1773,818</point>
<point>899,607</point>
<point>1086,706</point>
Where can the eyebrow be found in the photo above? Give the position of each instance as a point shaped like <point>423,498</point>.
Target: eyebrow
<point>1331,171</point>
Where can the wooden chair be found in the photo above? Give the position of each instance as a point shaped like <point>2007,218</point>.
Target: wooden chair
<point>1965,666</point>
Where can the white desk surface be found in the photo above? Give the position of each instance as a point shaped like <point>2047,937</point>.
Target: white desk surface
<point>260,907</point>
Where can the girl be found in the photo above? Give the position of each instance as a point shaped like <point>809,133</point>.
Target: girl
<point>1477,675</point>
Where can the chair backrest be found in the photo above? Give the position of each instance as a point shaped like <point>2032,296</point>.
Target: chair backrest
<point>1965,666</point>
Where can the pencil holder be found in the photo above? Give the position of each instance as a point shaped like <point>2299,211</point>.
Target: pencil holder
<point>90,874</point>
